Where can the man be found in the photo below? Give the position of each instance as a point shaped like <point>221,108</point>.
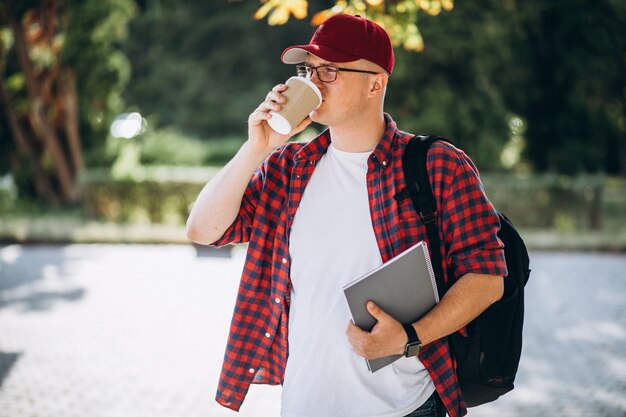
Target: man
<point>321,214</point>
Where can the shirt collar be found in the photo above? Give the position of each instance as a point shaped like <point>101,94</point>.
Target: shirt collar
<point>314,149</point>
<point>382,153</point>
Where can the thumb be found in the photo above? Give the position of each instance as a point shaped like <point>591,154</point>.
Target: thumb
<point>303,125</point>
<point>376,311</point>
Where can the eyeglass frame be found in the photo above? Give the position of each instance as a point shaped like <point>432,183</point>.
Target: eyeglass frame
<point>309,71</point>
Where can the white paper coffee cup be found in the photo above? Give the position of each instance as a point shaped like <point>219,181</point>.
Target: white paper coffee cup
<point>303,97</point>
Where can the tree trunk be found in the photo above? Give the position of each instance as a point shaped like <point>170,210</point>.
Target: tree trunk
<point>69,97</point>
<point>44,130</point>
<point>42,184</point>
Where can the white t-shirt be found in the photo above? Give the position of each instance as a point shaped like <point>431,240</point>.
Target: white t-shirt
<point>332,243</point>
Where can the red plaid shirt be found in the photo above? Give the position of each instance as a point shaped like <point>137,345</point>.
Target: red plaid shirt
<point>257,346</point>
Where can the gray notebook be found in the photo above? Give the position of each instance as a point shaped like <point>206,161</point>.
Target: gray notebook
<point>404,287</point>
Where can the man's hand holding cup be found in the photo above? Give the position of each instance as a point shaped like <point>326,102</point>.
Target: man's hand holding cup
<point>283,114</point>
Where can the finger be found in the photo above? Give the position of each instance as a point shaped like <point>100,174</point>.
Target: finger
<point>355,334</point>
<point>270,106</point>
<point>303,125</point>
<point>258,116</point>
<point>279,87</point>
<point>376,311</point>
<point>356,337</point>
<point>276,97</point>
<point>352,329</point>
<point>261,112</point>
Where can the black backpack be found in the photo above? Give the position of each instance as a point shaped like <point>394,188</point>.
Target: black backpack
<point>488,358</point>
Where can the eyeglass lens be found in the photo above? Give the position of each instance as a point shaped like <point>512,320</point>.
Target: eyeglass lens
<point>324,73</point>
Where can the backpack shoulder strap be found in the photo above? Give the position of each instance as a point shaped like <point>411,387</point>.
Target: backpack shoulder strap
<point>418,184</point>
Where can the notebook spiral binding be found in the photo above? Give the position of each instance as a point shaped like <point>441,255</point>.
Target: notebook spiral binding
<point>430,271</point>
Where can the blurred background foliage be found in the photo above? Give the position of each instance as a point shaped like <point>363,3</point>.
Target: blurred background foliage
<point>62,75</point>
<point>524,87</point>
<point>499,77</point>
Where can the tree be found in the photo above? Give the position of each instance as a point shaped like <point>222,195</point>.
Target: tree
<point>558,67</point>
<point>487,71</point>
<point>49,48</point>
<point>451,87</point>
<point>399,18</point>
<point>570,83</point>
<point>206,72</point>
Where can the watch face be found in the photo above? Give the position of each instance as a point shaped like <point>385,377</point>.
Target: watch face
<point>412,349</point>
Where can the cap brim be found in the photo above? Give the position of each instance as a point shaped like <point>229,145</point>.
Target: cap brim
<point>298,53</point>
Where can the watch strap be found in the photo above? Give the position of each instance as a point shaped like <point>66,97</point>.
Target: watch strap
<point>414,343</point>
<point>411,334</point>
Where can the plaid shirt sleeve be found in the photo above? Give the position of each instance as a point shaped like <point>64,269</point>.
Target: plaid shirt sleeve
<point>468,226</point>
<point>239,231</point>
<point>469,223</point>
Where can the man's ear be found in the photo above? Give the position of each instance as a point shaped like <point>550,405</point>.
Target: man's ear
<point>378,85</point>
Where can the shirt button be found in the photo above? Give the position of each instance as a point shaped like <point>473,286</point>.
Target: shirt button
<point>251,370</point>
<point>277,300</point>
<point>384,163</point>
<point>285,261</point>
<point>268,335</point>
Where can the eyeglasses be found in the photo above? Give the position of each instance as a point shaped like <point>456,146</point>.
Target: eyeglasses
<point>326,73</point>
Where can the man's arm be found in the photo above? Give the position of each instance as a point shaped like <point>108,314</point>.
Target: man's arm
<point>219,201</point>
<point>462,303</point>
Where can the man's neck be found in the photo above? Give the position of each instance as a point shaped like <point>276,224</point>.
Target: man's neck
<point>361,135</point>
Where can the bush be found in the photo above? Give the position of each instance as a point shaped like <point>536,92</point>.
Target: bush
<point>150,195</point>
<point>550,201</point>
<point>165,195</point>
<point>8,194</point>
<point>171,147</point>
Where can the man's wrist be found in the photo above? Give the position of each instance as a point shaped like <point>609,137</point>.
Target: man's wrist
<point>405,339</point>
<point>413,344</point>
<point>254,153</point>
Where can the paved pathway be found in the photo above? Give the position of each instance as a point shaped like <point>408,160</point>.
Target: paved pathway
<point>134,331</point>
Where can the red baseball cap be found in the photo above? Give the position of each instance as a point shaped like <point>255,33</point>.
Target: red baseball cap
<point>345,38</point>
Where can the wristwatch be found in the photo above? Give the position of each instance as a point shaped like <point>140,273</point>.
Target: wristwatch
<point>412,347</point>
